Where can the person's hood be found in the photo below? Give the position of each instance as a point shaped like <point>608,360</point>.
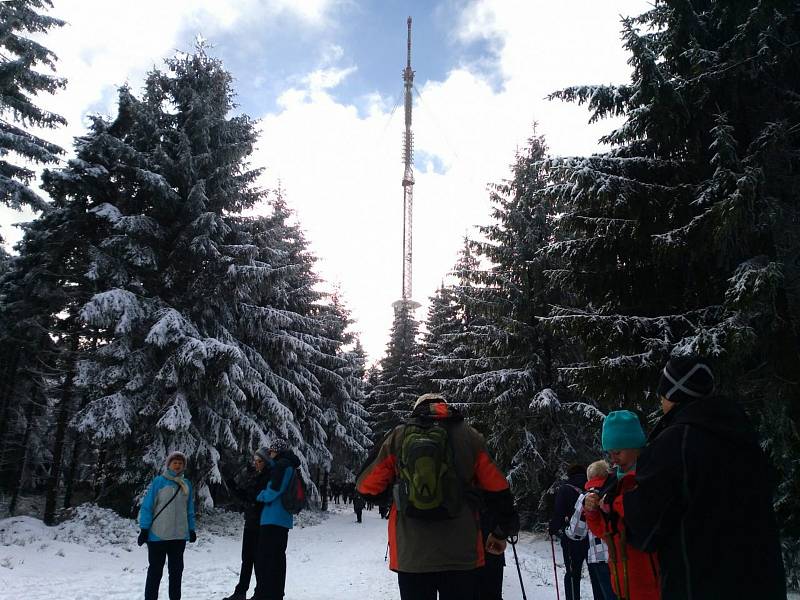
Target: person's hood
<point>288,456</point>
<point>437,411</point>
<point>717,415</point>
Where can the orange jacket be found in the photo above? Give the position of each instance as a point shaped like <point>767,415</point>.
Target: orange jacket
<point>424,546</point>
<point>634,574</point>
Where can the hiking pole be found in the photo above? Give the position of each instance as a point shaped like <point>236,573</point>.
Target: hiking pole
<point>385,556</point>
<point>555,571</point>
<point>513,541</point>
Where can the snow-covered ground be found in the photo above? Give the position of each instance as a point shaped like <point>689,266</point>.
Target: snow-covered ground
<point>94,556</point>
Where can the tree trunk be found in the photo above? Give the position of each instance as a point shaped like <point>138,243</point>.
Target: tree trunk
<point>98,475</point>
<point>6,391</point>
<point>61,432</point>
<point>23,464</point>
<point>69,480</point>
<point>325,491</point>
<point>77,446</point>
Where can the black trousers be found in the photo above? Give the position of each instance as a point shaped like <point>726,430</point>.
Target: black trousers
<point>157,554</point>
<point>271,562</point>
<point>249,552</point>
<point>490,578</point>
<point>358,515</point>
<point>451,585</point>
<point>575,553</point>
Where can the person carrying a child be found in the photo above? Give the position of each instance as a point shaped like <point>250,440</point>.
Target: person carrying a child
<point>634,574</point>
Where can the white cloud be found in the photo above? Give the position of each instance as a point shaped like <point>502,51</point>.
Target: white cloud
<point>106,44</point>
<point>342,169</point>
<point>324,79</point>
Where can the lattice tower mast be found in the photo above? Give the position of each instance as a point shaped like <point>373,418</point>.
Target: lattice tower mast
<point>408,178</point>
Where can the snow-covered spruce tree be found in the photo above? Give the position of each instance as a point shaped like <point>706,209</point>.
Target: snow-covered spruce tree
<point>41,333</point>
<point>442,324</point>
<point>20,82</point>
<point>453,344</point>
<point>684,236</point>
<point>398,381</point>
<point>25,388</point>
<point>5,261</point>
<point>507,360</point>
<point>371,378</point>
<point>300,352</point>
<point>200,347</point>
<point>345,419</point>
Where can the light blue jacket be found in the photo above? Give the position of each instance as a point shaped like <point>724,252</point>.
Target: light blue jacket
<point>273,512</point>
<point>177,519</point>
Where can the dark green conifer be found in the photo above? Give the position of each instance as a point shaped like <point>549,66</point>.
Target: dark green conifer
<point>20,82</point>
<point>683,237</point>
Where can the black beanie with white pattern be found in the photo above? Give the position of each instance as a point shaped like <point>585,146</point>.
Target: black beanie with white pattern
<point>686,378</point>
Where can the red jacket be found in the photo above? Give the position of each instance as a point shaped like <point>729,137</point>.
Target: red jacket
<point>634,574</point>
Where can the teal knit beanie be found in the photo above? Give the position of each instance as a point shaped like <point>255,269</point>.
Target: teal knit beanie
<point>621,429</point>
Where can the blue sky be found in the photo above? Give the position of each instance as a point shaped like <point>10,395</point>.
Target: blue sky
<point>322,76</point>
<point>268,55</point>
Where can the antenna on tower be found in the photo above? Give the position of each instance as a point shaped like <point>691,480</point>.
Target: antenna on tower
<point>408,182</point>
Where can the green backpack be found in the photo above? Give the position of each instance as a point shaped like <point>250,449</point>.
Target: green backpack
<point>428,486</point>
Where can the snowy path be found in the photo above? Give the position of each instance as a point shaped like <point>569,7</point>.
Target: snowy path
<point>337,559</point>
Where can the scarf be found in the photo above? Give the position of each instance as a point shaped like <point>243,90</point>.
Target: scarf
<point>621,473</point>
<point>178,479</point>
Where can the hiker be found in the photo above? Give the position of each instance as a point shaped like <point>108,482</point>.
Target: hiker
<point>166,519</point>
<point>634,574</point>
<point>275,524</point>
<point>597,554</point>
<point>358,506</point>
<point>435,461</point>
<point>574,550</point>
<point>250,485</point>
<point>703,495</point>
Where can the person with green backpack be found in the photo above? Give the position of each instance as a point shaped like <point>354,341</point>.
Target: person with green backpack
<point>435,465</point>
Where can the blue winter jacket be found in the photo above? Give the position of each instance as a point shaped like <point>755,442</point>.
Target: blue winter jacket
<point>176,520</point>
<point>273,512</point>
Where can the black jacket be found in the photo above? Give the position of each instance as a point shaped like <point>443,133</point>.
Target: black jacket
<point>249,485</point>
<point>566,497</point>
<point>704,503</point>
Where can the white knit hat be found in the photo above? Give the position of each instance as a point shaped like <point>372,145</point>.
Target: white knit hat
<point>176,454</point>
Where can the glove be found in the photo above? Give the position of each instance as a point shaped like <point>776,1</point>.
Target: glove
<point>142,536</point>
<point>508,526</point>
<point>192,537</point>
